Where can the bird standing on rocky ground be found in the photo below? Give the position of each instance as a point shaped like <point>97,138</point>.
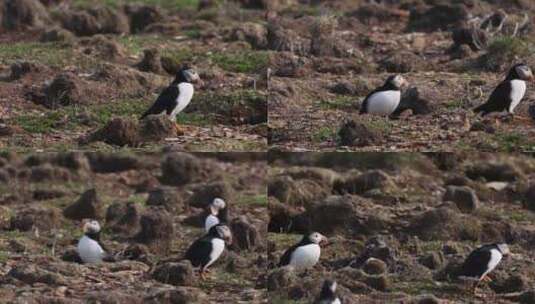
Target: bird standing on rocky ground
<point>385,99</point>
<point>90,248</point>
<point>508,94</point>
<point>482,261</point>
<point>328,293</point>
<point>216,214</point>
<point>304,254</point>
<point>176,97</point>
<point>206,250</point>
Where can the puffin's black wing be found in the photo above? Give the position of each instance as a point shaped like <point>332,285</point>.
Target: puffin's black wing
<point>477,262</point>
<point>199,252</point>
<point>165,102</point>
<point>285,258</point>
<point>499,100</point>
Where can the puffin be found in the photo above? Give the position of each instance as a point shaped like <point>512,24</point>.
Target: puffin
<point>508,94</point>
<point>385,99</point>
<point>207,249</point>
<point>328,293</point>
<point>482,261</point>
<point>304,254</point>
<point>216,214</point>
<point>90,248</point>
<point>176,96</point>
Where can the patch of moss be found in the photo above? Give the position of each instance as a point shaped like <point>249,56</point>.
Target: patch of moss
<point>514,141</point>
<point>167,4</point>
<point>257,200</point>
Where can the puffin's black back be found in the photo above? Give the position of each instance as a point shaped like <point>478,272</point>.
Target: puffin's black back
<point>387,86</point>
<point>477,262</point>
<point>165,102</point>
<point>285,258</point>
<point>199,252</point>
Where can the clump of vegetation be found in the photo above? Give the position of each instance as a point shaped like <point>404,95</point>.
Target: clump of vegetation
<point>502,52</point>
<point>245,62</point>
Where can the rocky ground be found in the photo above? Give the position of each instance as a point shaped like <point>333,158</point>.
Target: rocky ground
<point>331,54</point>
<point>149,206</point>
<point>74,70</point>
<point>400,224</point>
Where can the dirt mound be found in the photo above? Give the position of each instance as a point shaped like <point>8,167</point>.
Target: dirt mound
<point>119,132</point>
<point>142,16</point>
<point>20,14</point>
<point>355,133</point>
<point>64,90</point>
<point>154,128</point>
<point>102,47</point>
<point>88,206</point>
<point>151,61</point>
<point>102,20</point>
<point>156,230</point>
<point>178,274</point>
<point>179,169</point>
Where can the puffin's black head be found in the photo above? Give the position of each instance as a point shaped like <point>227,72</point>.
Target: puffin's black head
<point>187,74</point>
<point>221,231</point>
<point>395,82</point>
<point>316,238</point>
<point>520,71</point>
<point>328,289</point>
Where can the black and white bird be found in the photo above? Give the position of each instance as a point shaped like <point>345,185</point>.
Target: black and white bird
<point>176,96</point>
<point>206,250</point>
<point>508,94</point>
<point>304,254</point>
<point>385,99</point>
<point>216,214</point>
<point>90,248</point>
<point>328,293</point>
<point>482,261</point>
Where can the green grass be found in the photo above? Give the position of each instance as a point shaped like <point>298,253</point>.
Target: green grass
<point>257,200</point>
<point>323,134</point>
<point>45,53</point>
<point>135,44</point>
<point>244,62</point>
<point>338,103</point>
<point>504,50</point>
<point>511,142</point>
<point>454,104</point>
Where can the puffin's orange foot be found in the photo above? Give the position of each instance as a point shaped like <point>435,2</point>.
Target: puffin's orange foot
<point>486,279</point>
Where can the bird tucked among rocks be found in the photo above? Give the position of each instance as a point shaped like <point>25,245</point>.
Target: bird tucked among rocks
<point>306,253</point>
<point>328,293</point>
<point>90,248</point>
<point>385,99</point>
<point>482,261</point>
<point>508,94</point>
<point>206,250</point>
<point>176,96</point>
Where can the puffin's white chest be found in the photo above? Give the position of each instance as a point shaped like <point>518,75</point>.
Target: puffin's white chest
<point>518,89</point>
<point>184,97</point>
<point>210,221</point>
<point>218,245</point>
<point>384,102</point>
<point>495,258</point>
<point>89,250</point>
<point>305,256</point>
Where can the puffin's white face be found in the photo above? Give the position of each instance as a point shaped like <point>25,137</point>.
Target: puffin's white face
<point>191,75</point>
<point>524,72</point>
<point>91,226</point>
<point>217,205</point>
<point>398,81</point>
<point>317,238</point>
<point>504,249</point>
<point>224,233</point>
